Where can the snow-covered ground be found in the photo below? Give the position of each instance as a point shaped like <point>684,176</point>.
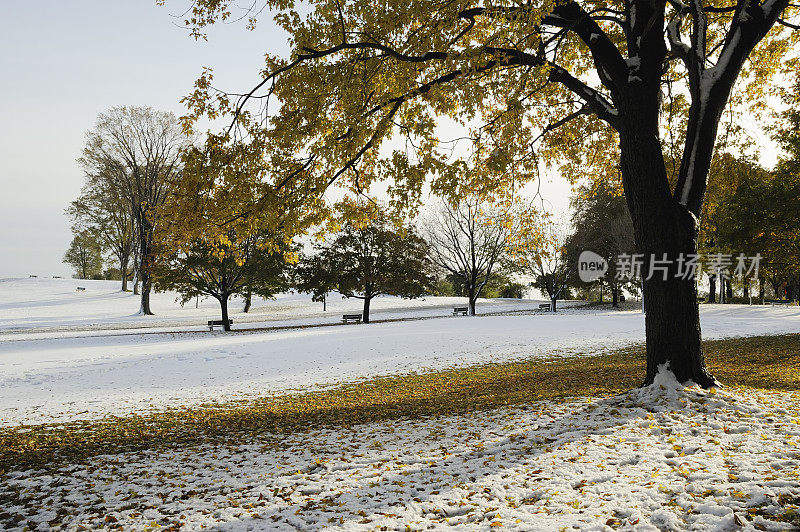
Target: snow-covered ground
<point>38,308</point>
<point>63,375</point>
<point>659,458</point>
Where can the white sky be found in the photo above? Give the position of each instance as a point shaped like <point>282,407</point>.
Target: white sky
<point>62,63</point>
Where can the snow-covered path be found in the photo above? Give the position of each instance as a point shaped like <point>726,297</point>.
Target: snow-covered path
<point>68,378</point>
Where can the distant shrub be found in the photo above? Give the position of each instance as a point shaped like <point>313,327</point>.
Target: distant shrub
<point>512,290</point>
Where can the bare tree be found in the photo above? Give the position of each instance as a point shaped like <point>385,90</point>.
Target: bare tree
<point>139,148</point>
<point>468,240</point>
<point>549,263</point>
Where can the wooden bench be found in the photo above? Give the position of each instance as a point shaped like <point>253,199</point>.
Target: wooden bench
<point>777,302</point>
<point>545,307</point>
<point>81,289</point>
<point>347,318</point>
<point>460,310</point>
<point>214,323</point>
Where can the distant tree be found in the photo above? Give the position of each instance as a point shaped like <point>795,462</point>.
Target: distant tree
<point>512,290</point>
<point>468,239</point>
<point>232,266</point>
<point>787,215</point>
<point>138,150</point>
<point>547,261</point>
<point>103,210</point>
<point>313,275</point>
<point>84,254</point>
<point>761,216</point>
<point>497,281</point>
<point>720,232</point>
<point>369,260</point>
<point>601,223</point>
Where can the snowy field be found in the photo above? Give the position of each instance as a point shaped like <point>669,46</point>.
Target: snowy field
<point>663,458</point>
<point>39,308</point>
<point>68,355</point>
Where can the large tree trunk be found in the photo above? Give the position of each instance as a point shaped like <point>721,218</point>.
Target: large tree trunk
<point>144,307</point>
<point>248,301</point>
<point>123,268</point>
<point>614,296</point>
<point>145,244</point>
<point>662,225</point>
<point>365,313</point>
<point>223,303</point>
<point>471,298</point>
<point>712,288</point>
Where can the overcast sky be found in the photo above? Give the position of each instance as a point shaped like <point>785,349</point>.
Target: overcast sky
<point>62,63</point>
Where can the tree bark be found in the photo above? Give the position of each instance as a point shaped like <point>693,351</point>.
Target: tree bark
<point>663,227</point>
<point>248,301</point>
<point>553,304</point>
<point>223,303</point>
<point>615,297</point>
<point>471,300</point>
<point>145,244</point>
<point>365,313</point>
<point>712,288</point>
<point>123,268</point>
<point>144,307</point>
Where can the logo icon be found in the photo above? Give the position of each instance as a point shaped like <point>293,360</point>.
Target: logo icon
<point>591,266</point>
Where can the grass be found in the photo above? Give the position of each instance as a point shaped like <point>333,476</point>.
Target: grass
<point>765,362</point>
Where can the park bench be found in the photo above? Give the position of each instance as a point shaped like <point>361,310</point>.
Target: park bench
<point>347,318</point>
<point>544,306</point>
<point>215,323</point>
<point>460,310</point>
<point>777,302</point>
<point>81,289</point>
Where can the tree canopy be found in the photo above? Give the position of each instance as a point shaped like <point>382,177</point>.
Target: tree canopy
<point>514,75</point>
<point>368,90</point>
<point>367,260</point>
<point>85,255</point>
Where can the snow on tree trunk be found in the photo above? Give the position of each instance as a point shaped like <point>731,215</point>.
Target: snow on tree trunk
<point>663,228</point>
